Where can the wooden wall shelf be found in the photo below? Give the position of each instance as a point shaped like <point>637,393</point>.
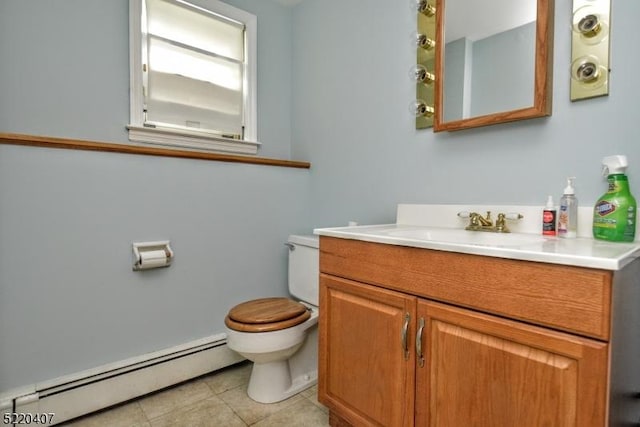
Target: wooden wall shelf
<point>75,144</point>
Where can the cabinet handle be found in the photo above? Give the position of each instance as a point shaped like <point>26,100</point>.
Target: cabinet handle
<point>419,343</point>
<point>405,330</point>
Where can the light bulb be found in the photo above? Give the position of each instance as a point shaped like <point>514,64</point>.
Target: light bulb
<point>424,42</point>
<point>419,108</point>
<point>590,24</point>
<point>420,74</point>
<point>423,6</point>
<point>588,71</point>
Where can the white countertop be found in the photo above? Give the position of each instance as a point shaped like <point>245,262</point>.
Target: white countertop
<point>581,251</point>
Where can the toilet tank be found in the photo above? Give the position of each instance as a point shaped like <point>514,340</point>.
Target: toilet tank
<point>304,268</point>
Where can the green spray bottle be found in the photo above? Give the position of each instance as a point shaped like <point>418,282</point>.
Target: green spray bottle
<point>614,216</point>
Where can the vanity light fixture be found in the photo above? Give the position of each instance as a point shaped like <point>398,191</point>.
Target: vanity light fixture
<point>423,73</point>
<point>590,49</point>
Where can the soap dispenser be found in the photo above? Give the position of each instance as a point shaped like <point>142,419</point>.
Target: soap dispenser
<point>568,218</point>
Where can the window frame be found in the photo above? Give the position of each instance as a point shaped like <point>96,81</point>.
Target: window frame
<point>193,139</point>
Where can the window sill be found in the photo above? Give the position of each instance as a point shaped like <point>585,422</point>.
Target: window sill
<point>74,144</point>
<point>192,140</point>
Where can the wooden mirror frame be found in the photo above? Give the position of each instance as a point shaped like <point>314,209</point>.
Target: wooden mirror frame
<point>543,85</point>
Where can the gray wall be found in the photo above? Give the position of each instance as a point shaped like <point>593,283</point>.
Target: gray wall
<point>68,299</point>
<point>350,119</point>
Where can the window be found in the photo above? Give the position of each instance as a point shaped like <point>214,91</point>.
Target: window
<point>193,75</point>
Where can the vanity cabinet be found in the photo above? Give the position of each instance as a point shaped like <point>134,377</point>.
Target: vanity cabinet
<point>367,372</point>
<point>413,336</point>
<point>485,370</point>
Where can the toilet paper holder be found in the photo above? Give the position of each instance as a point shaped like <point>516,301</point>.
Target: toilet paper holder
<point>147,255</point>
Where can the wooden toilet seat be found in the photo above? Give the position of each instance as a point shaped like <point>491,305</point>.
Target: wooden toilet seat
<point>266,315</point>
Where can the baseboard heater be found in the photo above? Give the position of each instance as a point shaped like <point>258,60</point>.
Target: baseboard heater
<point>88,391</point>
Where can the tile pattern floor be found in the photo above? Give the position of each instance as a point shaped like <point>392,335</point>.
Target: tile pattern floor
<point>218,399</point>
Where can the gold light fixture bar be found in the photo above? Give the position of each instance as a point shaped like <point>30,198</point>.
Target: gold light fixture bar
<point>590,48</point>
<point>426,45</point>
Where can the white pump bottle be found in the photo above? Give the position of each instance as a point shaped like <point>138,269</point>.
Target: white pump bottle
<point>568,217</point>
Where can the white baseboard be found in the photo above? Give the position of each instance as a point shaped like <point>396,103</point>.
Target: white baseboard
<point>88,391</point>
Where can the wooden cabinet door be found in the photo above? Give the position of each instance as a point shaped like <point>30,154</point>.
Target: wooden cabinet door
<point>485,371</point>
<point>365,374</point>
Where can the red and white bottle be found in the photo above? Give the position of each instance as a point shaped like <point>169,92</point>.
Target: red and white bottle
<point>549,214</point>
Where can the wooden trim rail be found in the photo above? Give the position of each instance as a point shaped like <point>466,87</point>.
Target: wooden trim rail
<point>75,144</point>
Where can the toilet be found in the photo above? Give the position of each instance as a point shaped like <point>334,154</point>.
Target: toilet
<point>280,335</point>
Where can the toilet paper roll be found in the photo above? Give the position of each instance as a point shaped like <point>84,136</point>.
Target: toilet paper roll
<point>153,259</point>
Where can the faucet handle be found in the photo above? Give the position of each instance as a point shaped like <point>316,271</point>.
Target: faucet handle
<point>476,221</point>
<point>513,216</point>
<point>501,223</point>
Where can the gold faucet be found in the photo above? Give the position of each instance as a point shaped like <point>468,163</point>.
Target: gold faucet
<point>479,223</point>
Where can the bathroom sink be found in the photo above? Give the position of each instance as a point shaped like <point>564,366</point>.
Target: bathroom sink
<point>459,236</point>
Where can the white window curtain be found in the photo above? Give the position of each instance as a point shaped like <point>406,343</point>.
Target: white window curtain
<point>194,66</point>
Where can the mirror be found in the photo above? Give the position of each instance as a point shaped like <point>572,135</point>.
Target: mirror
<point>494,62</point>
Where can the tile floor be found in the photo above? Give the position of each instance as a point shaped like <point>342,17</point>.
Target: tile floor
<point>218,399</point>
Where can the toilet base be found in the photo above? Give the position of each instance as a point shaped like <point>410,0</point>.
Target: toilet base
<point>271,382</point>
<point>279,374</point>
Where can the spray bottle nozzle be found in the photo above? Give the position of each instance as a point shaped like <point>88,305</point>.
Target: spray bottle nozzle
<point>550,204</point>
<point>612,165</point>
